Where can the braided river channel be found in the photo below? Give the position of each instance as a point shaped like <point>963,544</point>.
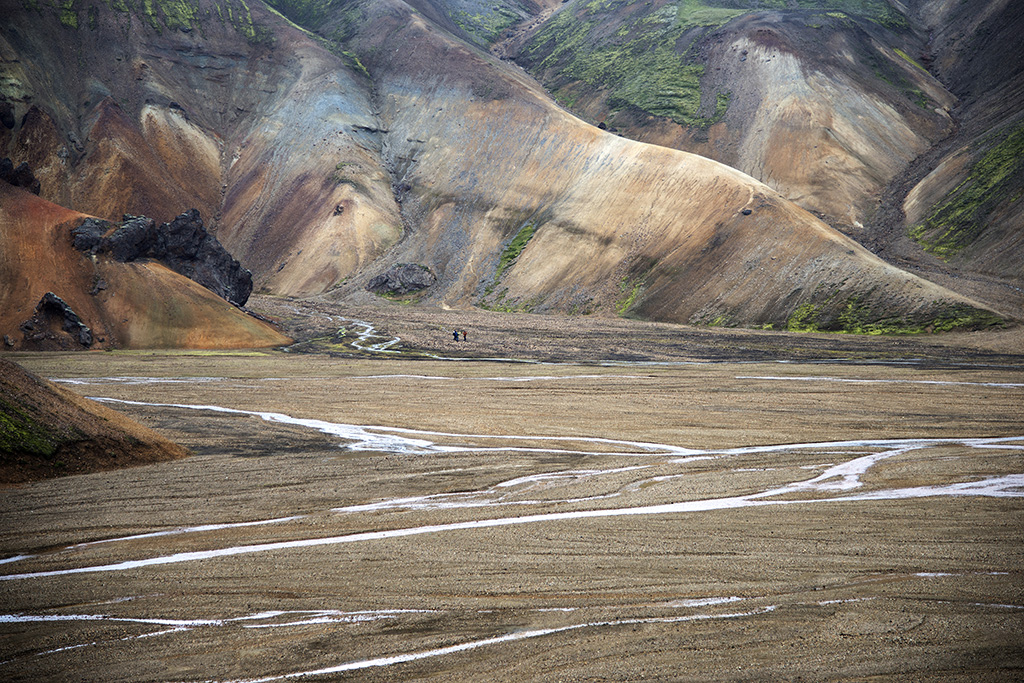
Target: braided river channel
<point>398,519</point>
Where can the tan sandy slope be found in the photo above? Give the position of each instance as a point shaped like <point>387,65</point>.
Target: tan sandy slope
<point>47,431</point>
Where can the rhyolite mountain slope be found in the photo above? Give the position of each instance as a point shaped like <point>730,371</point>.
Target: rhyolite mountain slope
<point>824,105</point>
<point>857,110</point>
<point>963,202</point>
<point>382,134</point>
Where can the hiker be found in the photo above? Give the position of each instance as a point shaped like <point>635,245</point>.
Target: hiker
<point>463,335</point>
<point>456,334</point>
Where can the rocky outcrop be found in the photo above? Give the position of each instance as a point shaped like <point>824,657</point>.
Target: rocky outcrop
<point>186,247</point>
<point>6,113</point>
<point>402,278</point>
<point>89,235</point>
<point>20,176</point>
<point>54,325</point>
<point>141,304</point>
<point>183,245</point>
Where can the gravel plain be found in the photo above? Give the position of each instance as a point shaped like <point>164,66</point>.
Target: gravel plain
<point>702,505</point>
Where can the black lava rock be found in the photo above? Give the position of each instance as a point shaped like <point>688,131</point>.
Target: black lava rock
<point>183,245</point>
<point>21,176</point>
<point>51,311</point>
<point>402,278</point>
<point>132,240</point>
<point>89,235</point>
<point>6,114</point>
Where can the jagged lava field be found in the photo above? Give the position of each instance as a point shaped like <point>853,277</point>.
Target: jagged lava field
<point>518,340</point>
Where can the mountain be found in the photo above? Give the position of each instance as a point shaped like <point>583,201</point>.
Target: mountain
<point>369,135</point>
<point>888,120</point>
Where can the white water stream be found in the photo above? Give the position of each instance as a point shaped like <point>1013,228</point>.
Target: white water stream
<point>842,477</point>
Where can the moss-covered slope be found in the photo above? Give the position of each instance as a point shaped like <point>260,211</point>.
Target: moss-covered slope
<point>47,431</point>
<point>822,100</point>
<point>990,194</point>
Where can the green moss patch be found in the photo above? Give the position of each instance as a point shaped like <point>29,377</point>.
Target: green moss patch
<point>804,318</point>
<point>354,62</point>
<point>21,434</point>
<point>631,290</point>
<point>68,14</point>
<point>508,257</point>
<point>485,21</point>
<point>910,60</point>
<point>514,249</point>
<point>853,317</point>
<point>645,63</point>
<point>961,218</point>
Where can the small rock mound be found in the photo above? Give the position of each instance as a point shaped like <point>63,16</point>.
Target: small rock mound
<point>402,278</point>
<point>54,326</point>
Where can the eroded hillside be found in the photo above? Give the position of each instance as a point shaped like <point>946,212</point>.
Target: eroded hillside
<point>898,123</point>
<point>382,134</point>
<point>822,104</point>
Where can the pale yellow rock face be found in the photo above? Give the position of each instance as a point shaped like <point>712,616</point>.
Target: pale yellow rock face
<point>190,156</point>
<point>307,201</point>
<point>820,140</point>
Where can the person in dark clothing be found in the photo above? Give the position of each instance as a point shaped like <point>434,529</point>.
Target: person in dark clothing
<point>455,333</point>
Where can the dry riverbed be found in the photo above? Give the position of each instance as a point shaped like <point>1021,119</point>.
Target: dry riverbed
<point>360,515</point>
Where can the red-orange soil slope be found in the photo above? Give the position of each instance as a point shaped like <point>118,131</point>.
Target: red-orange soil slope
<point>127,305</point>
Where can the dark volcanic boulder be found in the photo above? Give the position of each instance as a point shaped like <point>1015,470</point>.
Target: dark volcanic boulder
<point>89,235</point>
<point>6,114</point>
<point>402,278</point>
<point>132,240</point>
<point>21,176</point>
<point>182,238</point>
<point>52,317</point>
<point>183,245</point>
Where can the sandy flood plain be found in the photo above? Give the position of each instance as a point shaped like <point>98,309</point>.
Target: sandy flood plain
<point>385,519</point>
